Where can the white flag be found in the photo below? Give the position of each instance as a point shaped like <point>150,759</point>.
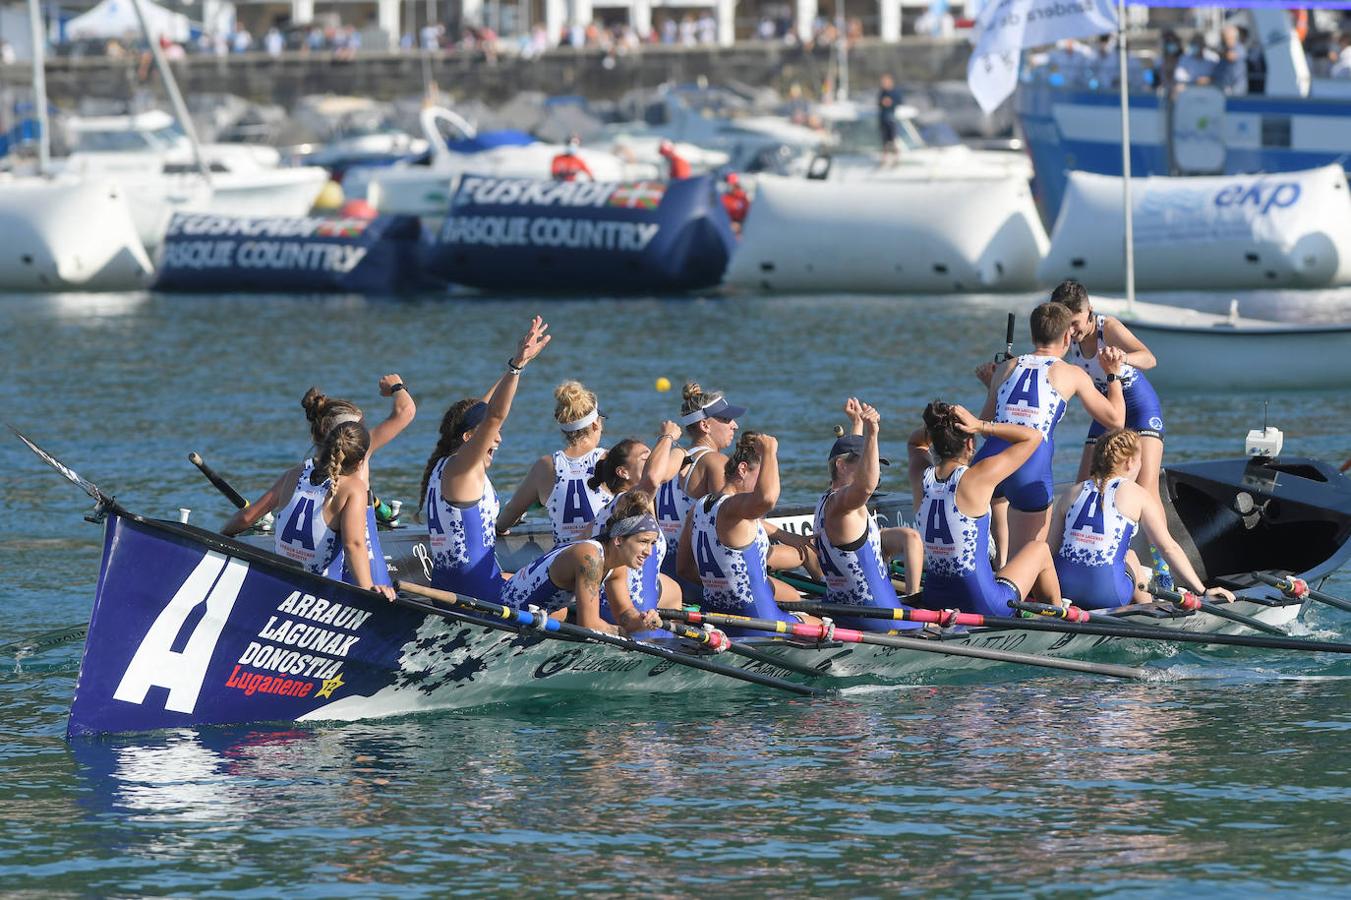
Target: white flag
<point>1005,27</point>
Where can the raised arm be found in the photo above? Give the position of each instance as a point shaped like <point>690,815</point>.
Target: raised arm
<point>858,491</point>
<point>760,502</point>
<point>247,517</point>
<point>1121,337</point>
<point>663,462</point>
<point>530,490</point>
<point>400,415</point>
<point>854,410</point>
<point>918,459</point>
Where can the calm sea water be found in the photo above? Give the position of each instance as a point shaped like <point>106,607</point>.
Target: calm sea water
<point>1226,777</point>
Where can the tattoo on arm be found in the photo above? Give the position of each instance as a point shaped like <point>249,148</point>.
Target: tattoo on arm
<point>588,574</point>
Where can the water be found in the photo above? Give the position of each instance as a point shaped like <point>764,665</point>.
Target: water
<point>1225,777</point>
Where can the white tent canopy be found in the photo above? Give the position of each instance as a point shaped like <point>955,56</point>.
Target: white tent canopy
<point>117,19</point>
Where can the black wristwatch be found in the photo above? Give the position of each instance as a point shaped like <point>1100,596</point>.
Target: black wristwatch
<point>395,388</point>
<point>1110,377</point>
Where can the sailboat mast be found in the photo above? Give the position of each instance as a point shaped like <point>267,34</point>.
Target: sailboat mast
<point>1126,154</point>
<point>171,87</point>
<point>39,35</point>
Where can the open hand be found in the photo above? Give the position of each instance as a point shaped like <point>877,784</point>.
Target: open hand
<point>965,420</point>
<point>534,340</point>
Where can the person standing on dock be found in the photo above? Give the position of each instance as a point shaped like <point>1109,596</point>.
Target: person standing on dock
<point>888,99</point>
<point>850,545</point>
<point>560,482</point>
<point>459,502</point>
<point>1034,390</point>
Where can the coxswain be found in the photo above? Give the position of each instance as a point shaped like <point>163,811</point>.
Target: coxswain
<point>631,465</point>
<point>1144,414</point>
<point>571,575</point>
<point>459,502</point>
<point>323,413</point>
<point>849,543</point>
<point>735,200</point>
<point>726,541</point>
<point>322,525</point>
<point>953,493</point>
<point>569,165</point>
<point>679,167</point>
<point>1034,390</point>
<point>558,482</point>
<point>1095,565</point>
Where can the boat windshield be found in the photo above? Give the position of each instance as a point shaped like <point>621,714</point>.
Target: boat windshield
<point>128,140</point>
<point>861,135</point>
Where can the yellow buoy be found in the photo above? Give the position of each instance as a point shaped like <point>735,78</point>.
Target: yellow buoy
<point>330,197</point>
<point>663,384</point>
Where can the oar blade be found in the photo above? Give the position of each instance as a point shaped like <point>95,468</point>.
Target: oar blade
<point>66,471</point>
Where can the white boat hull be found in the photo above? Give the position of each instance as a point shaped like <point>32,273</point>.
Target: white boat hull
<point>69,234</point>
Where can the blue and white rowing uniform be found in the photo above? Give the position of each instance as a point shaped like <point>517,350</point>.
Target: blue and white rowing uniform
<point>957,570</point>
<point>857,574</point>
<point>673,505</point>
<point>1091,563</point>
<point>302,534</point>
<point>463,538</point>
<point>736,580</point>
<point>644,584</point>
<point>532,585</point>
<point>572,503</point>
<point>1144,413</point>
<point>1026,397</point>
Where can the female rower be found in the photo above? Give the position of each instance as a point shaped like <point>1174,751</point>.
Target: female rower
<point>1143,412</point>
<point>574,572</point>
<point>458,498</point>
<point>323,524</point>
<point>631,466</point>
<point>848,541</point>
<point>1095,564</point>
<point>324,413</point>
<point>725,542</point>
<point>952,505</point>
<point>559,482</point>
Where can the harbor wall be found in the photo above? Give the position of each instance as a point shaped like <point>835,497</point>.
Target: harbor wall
<point>387,76</point>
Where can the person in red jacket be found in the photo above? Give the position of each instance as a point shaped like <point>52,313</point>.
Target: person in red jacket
<point>569,165</point>
<point>735,201</point>
<point>680,167</point>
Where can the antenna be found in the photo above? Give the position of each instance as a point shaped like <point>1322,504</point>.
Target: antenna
<point>1265,405</point>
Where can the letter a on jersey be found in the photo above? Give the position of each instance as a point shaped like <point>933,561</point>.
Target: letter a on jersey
<point>1024,391</point>
<point>216,581</point>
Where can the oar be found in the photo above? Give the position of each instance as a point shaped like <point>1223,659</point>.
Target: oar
<point>699,636</point>
<point>1008,337</point>
<point>1109,628</point>
<point>219,482</point>
<point>850,636</point>
<point>928,616</point>
<point>45,640</point>
<point>1298,589</point>
<point>553,628</point>
<point>1188,600</point>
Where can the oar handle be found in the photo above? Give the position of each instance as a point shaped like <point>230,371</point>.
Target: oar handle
<point>1299,589</point>
<point>1189,601</point>
<point>219,482</point>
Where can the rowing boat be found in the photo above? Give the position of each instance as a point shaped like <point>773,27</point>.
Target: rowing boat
<point>190,628</point>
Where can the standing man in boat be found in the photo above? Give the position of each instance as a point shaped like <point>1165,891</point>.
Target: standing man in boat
<point>572,574</point>
<point>953,490</point>
<point>569,165</point>
<point>631,465</point>
<point>726,540</point>
<point>1095,565</point>
<point>1034,390</point>
<point>849,543</point>
<point>678,166</point>
<point>560,482</point>
<point>1144,413</point>
<point>323,523</point>
<point>324,413</point>
<point>458,498</point>
<point>888,99</point>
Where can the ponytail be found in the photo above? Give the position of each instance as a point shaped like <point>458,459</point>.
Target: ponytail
<point>607,470</point>
<point>747,451</point>
<point>324,412</point>
<point>343,449</point>
<point>945,438</point>
<point>450,438</point>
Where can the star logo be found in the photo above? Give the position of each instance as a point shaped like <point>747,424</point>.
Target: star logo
<point>330,685</point>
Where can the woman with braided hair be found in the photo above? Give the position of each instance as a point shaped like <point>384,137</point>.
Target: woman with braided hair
<point>1095,565</point>
<point>952,509</point>
<point>323,524</point>
<point>459,502</point>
